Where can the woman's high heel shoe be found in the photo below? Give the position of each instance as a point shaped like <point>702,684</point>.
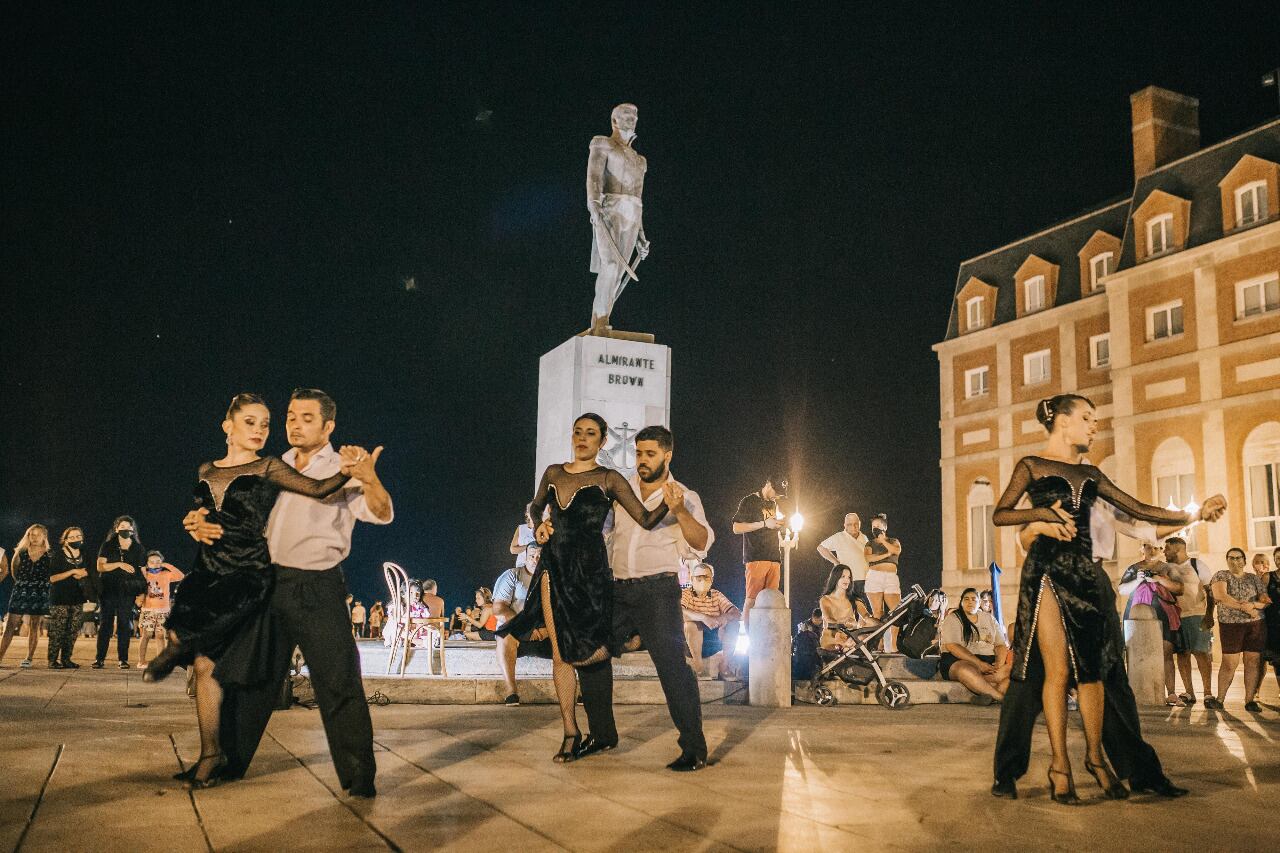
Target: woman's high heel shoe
<point>568,749</point>
<point>195,783</point>
<point>1067,797</point>
<point>1112,788</point>
<point>162,664</point>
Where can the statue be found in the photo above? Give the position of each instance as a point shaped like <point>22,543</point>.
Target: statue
<point>615,182</point>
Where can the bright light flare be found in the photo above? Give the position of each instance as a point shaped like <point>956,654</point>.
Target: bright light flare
<point>743,645</point>
<point>797,522</point>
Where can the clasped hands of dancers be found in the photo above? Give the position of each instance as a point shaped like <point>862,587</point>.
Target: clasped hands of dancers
<point>1068,630</point>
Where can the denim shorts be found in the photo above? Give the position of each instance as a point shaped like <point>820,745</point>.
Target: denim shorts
<point>1194,638</point>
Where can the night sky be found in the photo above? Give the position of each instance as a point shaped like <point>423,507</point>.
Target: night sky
<point>200,202</point>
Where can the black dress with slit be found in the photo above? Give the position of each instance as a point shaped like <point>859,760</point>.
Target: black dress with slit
<point>1067,569</point>
<point>576,561</point>
<point>221,598</point>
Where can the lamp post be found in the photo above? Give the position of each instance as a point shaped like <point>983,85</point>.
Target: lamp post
<point>790,538</point>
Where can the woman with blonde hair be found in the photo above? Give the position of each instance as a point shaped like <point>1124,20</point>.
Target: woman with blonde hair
<point>30,595</point>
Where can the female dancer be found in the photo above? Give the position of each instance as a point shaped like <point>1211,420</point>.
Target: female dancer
<point>30,595</point>
<point>837,607</point>
<point>230,579</point>
<point>571,595</point>
<point>1062,614</point>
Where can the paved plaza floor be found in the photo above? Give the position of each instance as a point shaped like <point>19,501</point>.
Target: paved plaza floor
<point>86,758</point>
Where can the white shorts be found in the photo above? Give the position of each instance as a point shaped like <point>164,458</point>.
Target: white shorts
<point>878,581</point>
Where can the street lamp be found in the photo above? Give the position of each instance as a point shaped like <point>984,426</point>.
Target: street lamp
<point>790,538</point>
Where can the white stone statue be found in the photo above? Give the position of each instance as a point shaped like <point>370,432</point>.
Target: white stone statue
<point>615,182</point>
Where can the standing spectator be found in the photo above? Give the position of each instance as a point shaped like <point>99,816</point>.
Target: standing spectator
<point>1271,574</point>
<point>509,594</point>
<point>89,617</point>
<point>522,539</point>
<point>1149,582</point>
<point>358,616</point>
<point>160,577</point>
<point>120,581</point>
<point>66,597</point>
<point>479,622</point>
<point>848,547</point>
<point>434,602</point>
<point>1195,612</point>
<point>710,623</point>
<point>1239,600</point>
<point>756,520</point>
<point>883,587</point>
<point>376,617</point>
<point>974,649</point>
<point>30,595</point>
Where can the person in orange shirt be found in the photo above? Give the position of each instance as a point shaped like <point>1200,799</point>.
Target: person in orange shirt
<point>154,603</point>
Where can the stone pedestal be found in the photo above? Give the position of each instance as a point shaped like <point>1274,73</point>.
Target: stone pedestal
<point>625,378</point>
<point>1144,655</point>
<point>770,655</point>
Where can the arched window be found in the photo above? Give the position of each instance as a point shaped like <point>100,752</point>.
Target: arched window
<point>1262,484</point>
<point>1173,475</point>
<point>982,531</point>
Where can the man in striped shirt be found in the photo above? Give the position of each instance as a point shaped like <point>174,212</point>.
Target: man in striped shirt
<point>709,619</point>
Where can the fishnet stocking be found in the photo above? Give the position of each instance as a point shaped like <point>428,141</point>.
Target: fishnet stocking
<point>208,709</point>
<point>566,680</point>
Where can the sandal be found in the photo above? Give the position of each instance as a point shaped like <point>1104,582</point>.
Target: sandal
<point>1067,797</point>
<point>214,776</point>
<point>568,749</point>
<point>1175,701</point>
<point>1112,788</point>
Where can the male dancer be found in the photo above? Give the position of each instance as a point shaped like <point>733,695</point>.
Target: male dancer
<point>646,601</point>
<point>308,540</point>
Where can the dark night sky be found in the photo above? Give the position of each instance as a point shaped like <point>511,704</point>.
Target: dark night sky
<point>199,202</point>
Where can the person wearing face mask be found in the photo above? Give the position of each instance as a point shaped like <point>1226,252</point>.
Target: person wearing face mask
<point>120,561</point>
<point>710,622</point>
<point>30,595</point>
<point>883,587</point>
<point>66,597</point>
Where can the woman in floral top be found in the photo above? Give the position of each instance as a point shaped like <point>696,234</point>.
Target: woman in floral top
<point>1240,599</point>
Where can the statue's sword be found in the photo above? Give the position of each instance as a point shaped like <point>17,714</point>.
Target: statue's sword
<point>617,253</point>
<point>624,281</point>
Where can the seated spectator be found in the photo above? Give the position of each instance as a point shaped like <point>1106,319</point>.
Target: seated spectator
<point>986,603</point>
<point>479,622</point>
<point>813,623</point>
<point>710,620</point>
<point>509,594</point>
<point>1151,582</point>
<point>974,649</point>
<point>419,633</point>
<point>434,602</point>
<point>837,607</point>
<point>1239,600</point>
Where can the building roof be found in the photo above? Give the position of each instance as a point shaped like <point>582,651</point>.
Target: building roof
<point>1194,177</point>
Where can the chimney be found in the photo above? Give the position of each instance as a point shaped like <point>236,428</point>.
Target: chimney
<point>1166,126</point>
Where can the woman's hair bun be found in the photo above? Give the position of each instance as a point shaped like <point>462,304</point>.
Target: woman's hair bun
<point>1045,411</point>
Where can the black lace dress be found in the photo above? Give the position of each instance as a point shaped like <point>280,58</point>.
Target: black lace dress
<point>576,561</point>
<point>1066,569</point>
<point>221,598</point>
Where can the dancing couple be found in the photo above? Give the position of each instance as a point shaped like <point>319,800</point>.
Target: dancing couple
<point>267,577</point>
<point>595,599</point>
<point>1068,631</point>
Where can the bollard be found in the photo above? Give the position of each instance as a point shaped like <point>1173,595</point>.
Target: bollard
<point>769,684</point>
<point>1144,655</point>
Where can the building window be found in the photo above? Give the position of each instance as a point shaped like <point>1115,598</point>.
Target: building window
<point>975,382</point>
<point>1251,203</point>
<point>1173,469</point>
<point>1033,294</point>
<point>982,531</point>
<point>1036,367</point>
<point>1164,321</point>
<point>1262,484</point>
<point>1159,234</point>
<point>1257,296</point>
<point>1100,351</point>
<point>975,315</point>
<point>1100,266</point>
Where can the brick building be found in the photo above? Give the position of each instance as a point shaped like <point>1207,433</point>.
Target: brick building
<point>1163,307</point>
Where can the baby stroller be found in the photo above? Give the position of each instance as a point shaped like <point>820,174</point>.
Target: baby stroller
<point>857,666</point>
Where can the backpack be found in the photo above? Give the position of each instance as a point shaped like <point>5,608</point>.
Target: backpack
<point>918,635</point>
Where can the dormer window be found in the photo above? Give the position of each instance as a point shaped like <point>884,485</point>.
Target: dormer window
<point>1034,294</point>
<point>975,315</point>
<point>1159,234</point>
<point>1251,203</point>
<point>1100,266</point>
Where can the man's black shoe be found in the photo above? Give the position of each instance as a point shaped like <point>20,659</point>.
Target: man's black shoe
<point>53,664</point>
<point>124,664</point>
<point>66,664</point>
<point>1164,788</point>
<point>1007,790</point>
<point>97,664</point>
<point>687,763</point>
<point>365,791</point>
<point>592,745</point>
<point>512,700</point>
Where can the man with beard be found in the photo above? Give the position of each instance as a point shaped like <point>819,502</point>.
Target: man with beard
<point>646,601</point>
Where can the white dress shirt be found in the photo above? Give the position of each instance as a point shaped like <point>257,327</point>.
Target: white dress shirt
<point>1105,521</point>
<point>851,551</point>
<point>304,533</point>
<point>636,553</point>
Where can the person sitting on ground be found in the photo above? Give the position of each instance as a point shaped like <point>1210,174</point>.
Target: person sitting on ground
<point>837,607</point>
<point>974,649</point>
<point>1239,600</point>
<point>986,603</point>
<point>813,623</point>
<point>1151,582</point>
<point>479,623</point>
<point>710,623</point>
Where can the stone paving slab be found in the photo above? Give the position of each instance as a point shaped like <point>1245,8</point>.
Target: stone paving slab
<point>86,758</point>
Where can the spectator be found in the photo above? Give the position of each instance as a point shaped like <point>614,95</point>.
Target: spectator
<point>89,618</point>
<point>358,616</point>
<point>419,633</point>
<point>813,623</point>
<point>509,595</point>
<point>120,581</point>
<point>66,597</point>
<point>434,602</point>
<point>710,623</point>
<point>987,602</point>
<point>30,594</point>
<point>1150,582</point>
<point>1195,614</point>
<point>974,649</point>
<point>756,520</point>
<point>1239,600</point>
<point>883,587</point>
<point>160,577</point>
<point>480,622</point>
<point>376,617</point>
<point>1271,574</point>
<point>848,547</point>
<point>837,608</point>
<point>522,539</point>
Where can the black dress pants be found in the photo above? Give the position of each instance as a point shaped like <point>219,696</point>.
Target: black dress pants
<point>649,607</point>
<point>115,615</point>
<point>308,609</point>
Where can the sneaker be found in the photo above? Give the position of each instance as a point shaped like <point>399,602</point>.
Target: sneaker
<point>97,664</point>
<point>26,664</point>
<point>1211,703</point>
<point>512,700</point>
<point>124,664</point>
<point>1072,704</point>
<point>1253,707</point>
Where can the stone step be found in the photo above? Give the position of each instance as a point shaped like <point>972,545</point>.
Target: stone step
<point>428,690</point>
<point>466,659</point>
